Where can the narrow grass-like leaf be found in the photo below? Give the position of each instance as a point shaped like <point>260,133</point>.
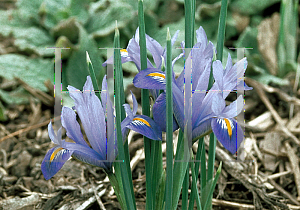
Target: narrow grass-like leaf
<point>203,173</point>
<point>281,50</point>
<point>93,76</point>
<point>213,140</point>
<point>156,160</point>
<point>145,105</point>
<point>115,182</point>
<point>211,156</point>
<point>169,121</point>
<point>126,181</point>
<point>290,23</point>
<point>221,29</point>
<point>207,205</point>
<point>179,170</point>
<point>197,165</point>
<point>211,159</point>
<point>160,192</point>
<point>194,184</point>
<point>189,8</point>
<point>287,45</point>
<point>185,187</point>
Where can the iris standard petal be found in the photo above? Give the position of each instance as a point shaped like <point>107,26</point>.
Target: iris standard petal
<point>155,49</point>
<point>229,63</point>
<point>236,72</point>
<point>202,71</point>
<point>145,126</point>
<point>174,37</point>
<point>128,110</point>
<point>230,77</point>
<point>150,79</point>
<point>135,104</point>
<point>107,107</point>
<point>54,160</point>
<point>242,82</point>
<point>218,73</point>
<point>133,49</point>
<point>218,104</point>
<point>204,110</point>
<point>104,93</point>
<point>201,35</point>
<point>233,109</point>
<point>200,63</point>
<point>228,132</point>
<point>71,125</point>
<point>197,99</point>
<point>124,58</point>
<point>159,113</point>
<point>91,114</point>
<point>56,139</point>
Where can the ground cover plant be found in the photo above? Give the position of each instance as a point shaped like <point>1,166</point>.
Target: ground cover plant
<point>263,174</point>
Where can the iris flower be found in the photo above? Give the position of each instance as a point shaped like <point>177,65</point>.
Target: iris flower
<point>209,111</point>
<point>101,134</point>
<point>132,53</point>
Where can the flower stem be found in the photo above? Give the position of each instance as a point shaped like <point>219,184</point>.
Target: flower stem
<point>213,139</point>
<point>126,178</point>
<point>169,121</point>
<point>145,105</point>
<point>115,184</point>
<point>221,29</point>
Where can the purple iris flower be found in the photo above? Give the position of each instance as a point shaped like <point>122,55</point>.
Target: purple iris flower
<point>100,131</point>
<point>209,111</point>
<point>132,53</point>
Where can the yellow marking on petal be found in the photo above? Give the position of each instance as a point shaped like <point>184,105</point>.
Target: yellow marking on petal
<point>54,153</point>
<point>142,120</point>
<point>228,127</point>
<point>124,52</point>
<point>156,75</point>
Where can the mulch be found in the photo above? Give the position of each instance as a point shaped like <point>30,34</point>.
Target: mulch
<point>265,176</point>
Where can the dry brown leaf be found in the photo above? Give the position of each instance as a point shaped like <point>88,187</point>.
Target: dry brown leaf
<point>242,21</point>
<point>267,40</point>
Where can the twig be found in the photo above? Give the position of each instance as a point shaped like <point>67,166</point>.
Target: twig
<point>86,204</point>
<point>97,197</point>
<point>235,169</point>
<point>27,129</point>
<point>277,175</point>
<point>217,202</point>
<point>274,153</point>
<point>258,87</point>
<point>294,162</point>
<point>282,95</point>
<point>44,97</point>
<point>139,155</point>
<point>284,192</point>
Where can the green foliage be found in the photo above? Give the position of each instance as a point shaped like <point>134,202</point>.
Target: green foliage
<point>27,69</point>
<point>251,7</point>
<point>77,69</point>
<point>17,96</point>
<point>3,116</point>
<point>102,23</point>
<point>85,25</point>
